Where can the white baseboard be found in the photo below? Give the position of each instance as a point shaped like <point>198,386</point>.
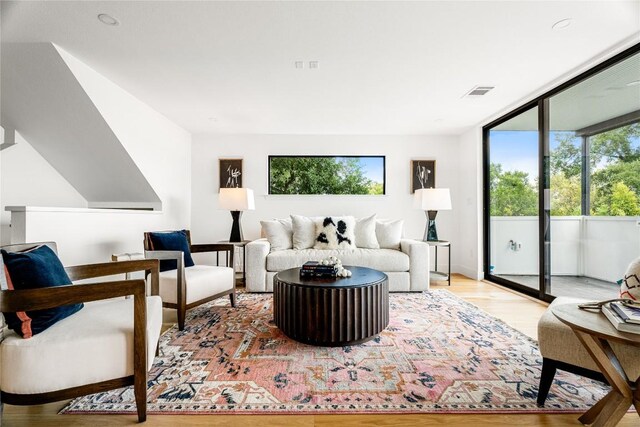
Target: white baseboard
<point>468,272</point>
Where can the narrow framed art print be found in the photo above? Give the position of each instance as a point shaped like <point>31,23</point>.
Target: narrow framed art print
<point>423,174</point>
<point>230,173</point>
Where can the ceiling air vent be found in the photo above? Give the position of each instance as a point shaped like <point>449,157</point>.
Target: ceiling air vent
<point>479,91</point>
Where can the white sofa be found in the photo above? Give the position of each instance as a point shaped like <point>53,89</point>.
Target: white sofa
<point>407,268</point>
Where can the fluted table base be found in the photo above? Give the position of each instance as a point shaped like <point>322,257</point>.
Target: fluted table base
<point>332,313</point>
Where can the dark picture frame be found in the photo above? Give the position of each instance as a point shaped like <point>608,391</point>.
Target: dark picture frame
<point>300,174</point>
<point>230,173</point>
<point>423,174</point>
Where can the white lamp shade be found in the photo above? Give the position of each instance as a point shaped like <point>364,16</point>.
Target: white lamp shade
<point>432,199</point>
<point>237,199</point>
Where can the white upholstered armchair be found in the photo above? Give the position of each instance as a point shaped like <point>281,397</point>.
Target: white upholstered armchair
<point>109,343</point>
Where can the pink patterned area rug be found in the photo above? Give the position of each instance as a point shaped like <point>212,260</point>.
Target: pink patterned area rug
<point>439,354</point>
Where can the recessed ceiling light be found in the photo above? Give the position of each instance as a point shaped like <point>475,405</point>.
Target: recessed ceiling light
<point>212,119</point>
<point>563,23</point>
<point>108,19</point>
<point>634,83</point>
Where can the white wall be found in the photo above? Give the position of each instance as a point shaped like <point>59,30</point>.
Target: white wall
<point>611,243</point>
<point>159,148</point>
<point>467,257</point>
<point>209,223</point>
<point>85,235</point>
<point>28,179</point>
<point>597,247</point>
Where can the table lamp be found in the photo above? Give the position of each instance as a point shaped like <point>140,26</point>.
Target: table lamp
<point>432,200</point>
<point>236,200</point>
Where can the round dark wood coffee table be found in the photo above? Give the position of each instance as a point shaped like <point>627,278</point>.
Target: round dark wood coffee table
<point>331,312</point>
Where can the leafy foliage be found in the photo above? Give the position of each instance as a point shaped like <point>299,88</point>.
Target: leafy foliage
<point>320,175</point>
<point>616,145</point>
<point>622,201</point>
<point>566,158</point>
<point>615,177</point>
<point>511,193</point>
<point>565,195</point>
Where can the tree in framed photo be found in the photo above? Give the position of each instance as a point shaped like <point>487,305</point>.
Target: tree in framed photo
<point>423,174</point>
<point>230,173</point>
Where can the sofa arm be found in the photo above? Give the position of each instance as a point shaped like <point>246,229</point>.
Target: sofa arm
<point>256,268</point>
<point>419,263</point>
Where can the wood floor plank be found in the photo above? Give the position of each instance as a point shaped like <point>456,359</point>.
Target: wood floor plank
<point>520,312</point>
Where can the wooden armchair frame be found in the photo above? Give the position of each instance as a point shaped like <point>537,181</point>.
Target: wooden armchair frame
<point>39,299</point>
<point>181,306</point>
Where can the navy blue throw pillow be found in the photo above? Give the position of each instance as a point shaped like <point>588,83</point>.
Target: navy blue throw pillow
<point>36,268</point>
<point>172,241</point>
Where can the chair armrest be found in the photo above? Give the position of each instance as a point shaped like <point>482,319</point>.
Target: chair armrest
<point>419,263</point>
<point>216,247</point>
<point>170,255</point>
<point>256,253</point>
<point>149,266</point>
<point>42,298</point>
<point>212,247</point>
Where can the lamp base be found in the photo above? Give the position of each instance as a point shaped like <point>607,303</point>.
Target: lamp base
<point>430,232</point>
<point>236,228</point>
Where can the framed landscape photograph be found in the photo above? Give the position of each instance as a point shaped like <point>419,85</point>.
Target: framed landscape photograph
<point>327,175</point>
<point>230,173</point>
<point>423,174</point>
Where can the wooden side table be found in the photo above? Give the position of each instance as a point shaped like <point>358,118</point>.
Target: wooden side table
<point>240,245</point>
<point>595,333</point>
<point>439,275</point>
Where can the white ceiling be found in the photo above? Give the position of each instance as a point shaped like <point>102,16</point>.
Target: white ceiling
<point>385,67</point>
<point>611,93</point>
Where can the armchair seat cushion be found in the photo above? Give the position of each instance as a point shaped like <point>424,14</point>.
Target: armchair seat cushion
<point>558,342</point>
<point>379,259</point>
<point>202,281</point>
<point>93,345</point>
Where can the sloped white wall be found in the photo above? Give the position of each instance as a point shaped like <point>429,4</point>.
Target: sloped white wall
<point>209,223</point>
<point>43,100</point>
<point>26,178</point>
<point>160,148</point>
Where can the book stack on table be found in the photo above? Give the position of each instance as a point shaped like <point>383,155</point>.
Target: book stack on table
<point>313,269</point>
<point>624,317</point>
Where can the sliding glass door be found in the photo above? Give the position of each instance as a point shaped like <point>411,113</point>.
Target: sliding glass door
<point>562,186</point>
<point>513,149</point>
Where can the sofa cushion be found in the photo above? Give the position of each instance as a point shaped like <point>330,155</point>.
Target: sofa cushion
<point>389,233</point>
<point>379,259</point>
<point>304,231</point>
<point>172,241</point>
<point>335,232</point>
<point>365,233</point>
<point>279,233</point>
<point>38,267</point>
<point>202,281</point>
<point>93,345</point>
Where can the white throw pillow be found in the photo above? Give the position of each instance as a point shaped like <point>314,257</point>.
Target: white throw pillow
<point>365,233</point>
<point>389,233</point>
<point>279,233</point>
<point>335,232</point>
<point>304,231</point>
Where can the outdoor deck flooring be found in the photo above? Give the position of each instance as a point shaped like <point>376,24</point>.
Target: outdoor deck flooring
<point>571,286</point>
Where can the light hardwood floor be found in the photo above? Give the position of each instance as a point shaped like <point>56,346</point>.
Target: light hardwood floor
<point>518,311</point>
